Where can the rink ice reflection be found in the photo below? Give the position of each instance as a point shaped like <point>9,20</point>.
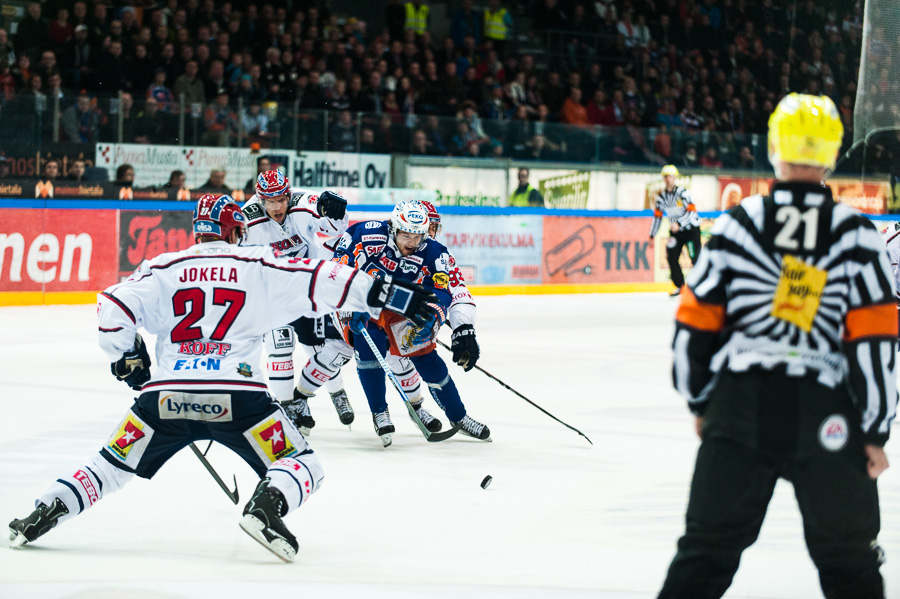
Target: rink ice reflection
<point>560,519</point>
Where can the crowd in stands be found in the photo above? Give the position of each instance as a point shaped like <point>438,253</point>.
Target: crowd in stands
<point>669,81</point>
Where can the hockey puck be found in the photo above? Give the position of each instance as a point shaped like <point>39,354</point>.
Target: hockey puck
<point>486,482</point>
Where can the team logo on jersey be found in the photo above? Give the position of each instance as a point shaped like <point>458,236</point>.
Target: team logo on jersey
<point>408,267</point>
<point>799,292</point>
<point>270,439</point>
<point>372,250</point>
<point>379,238</point>
<point>441,280</point>
<point>204,407</point>
<point>834,433</point>
<point>130,440</point>
<point>283,338</point>
<point>373,224</point>
<point>388,263</point>
<point>244,369</point>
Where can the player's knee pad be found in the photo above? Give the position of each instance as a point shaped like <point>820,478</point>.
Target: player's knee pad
<point>297,477</point>
<point>85,486</point>
<point>324,366</point>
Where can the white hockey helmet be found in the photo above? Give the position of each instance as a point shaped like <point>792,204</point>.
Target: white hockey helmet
<point>409,217</point>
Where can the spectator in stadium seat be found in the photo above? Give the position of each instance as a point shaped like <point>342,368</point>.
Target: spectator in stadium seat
<point>32,32</point>
<point>573,111</point>
<point>76,171</point>
<point>256,125</point>
<point>5,167</point>
<point>176,181</point>
<point>152,125</point>
<point>50,171</point>
<point>466,21</point>
<point>745,158</point>
<point>190,86</point>
<point>220,122</point>
<point>343,133</point>
<point>81,121</point>
<point>124,176</point>
<point>7,53</point>
<point>215,183</point>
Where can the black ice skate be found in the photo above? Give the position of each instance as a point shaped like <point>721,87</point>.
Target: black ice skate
<point>262,521</point>
<point>675,292</point>
<point>298,410</point>
<point>343,407</point>
<point>430,422</point>
<point>475,429</point>
<point>384,428</point>
<point>37,524</point>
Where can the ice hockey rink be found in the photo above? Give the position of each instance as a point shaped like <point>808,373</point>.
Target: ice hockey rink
<point>562,519</point>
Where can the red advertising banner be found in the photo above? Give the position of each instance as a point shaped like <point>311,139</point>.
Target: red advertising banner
<point>871,198</point>
<point>596,250</point>
<point>58,250</point>
<point>147,234</point>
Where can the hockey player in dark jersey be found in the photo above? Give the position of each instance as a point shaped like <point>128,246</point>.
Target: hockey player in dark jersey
<point>401,248</point>
<point>677,204</point>
<point>785,349</point>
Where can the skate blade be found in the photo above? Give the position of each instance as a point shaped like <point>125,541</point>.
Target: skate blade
<point>386,440</point>
<point>16,539</point>
<point>305,431</point>
<point>282,549</point>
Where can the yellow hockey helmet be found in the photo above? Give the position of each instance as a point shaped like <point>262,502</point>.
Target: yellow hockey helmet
<point>805,129</point>
<point>669,169</point>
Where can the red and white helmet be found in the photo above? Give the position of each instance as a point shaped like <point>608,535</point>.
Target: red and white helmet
<point>434,218</point>
<point>270,184</point>
<point>217,216</point>
<point>410,217</point>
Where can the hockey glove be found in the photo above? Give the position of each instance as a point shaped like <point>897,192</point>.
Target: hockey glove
<point>431,327</point>
<point>331,205</point>
<point>134,366</point>
<point>464,346</point>
<point>404,298</point>
<point>358,321</point>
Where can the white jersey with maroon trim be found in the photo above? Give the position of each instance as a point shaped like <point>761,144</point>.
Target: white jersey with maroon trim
<point>891,236</point>
<point>462,305</point>
<point>296,236</point>
<point>209,306</point>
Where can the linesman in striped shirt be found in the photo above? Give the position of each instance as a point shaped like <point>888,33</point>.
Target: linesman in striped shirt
<point>785,349</point>
<point>677,204</point>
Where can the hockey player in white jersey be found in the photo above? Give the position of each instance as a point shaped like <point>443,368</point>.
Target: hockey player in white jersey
<point>891,237</point>
<point>289,222</point>
<point>209,307</point>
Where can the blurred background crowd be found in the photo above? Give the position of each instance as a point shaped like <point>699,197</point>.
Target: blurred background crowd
<point>687,82</point>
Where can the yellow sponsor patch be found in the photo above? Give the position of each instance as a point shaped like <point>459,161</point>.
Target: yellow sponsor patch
<point>130,440</point>
<point>441,280</point>
<point>270,437</point>
<point>799,292</point>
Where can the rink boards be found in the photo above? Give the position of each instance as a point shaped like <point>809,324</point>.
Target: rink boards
<point>57,251</point>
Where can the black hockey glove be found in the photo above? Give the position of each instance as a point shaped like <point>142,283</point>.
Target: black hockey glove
<point>134,366</point>
<point>331,205</point>
<point>404,298</point>
<point>464,346</point>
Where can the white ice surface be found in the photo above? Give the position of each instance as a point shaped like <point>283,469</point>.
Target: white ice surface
<point>561,519</point>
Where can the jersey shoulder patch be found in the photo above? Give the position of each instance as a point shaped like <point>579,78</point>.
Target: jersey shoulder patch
<point>253,211</point>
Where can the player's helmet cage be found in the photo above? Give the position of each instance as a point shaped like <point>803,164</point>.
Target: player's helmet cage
<point>669,169</point>
<point>434,218</point>
<point>409,217</point>
<point>805,130</point>
<point>217,216</point>
<point>270,184</point>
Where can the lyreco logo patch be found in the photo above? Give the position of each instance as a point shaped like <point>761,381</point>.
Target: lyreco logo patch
<point>269,439</point>
<point>130,440</point>
<point>834,433</point>
<point>206,407</point>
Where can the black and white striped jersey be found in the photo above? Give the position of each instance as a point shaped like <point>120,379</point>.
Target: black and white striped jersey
<point>678,206</point>
<point>793,280</point>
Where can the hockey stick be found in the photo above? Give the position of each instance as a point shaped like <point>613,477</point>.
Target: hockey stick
<point>429,436</point>
<point>445,346</point>
<point>232,495</point>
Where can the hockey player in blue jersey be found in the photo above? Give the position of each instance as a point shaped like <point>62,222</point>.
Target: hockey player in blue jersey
<point>402,249</point>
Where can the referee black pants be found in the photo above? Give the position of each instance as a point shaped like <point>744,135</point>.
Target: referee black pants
<point>762,426</point>
<point>685,237</point>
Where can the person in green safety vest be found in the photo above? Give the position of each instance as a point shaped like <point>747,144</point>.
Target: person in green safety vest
<point>526,196</point>
<point>417,16</point>
<point>497,25</point>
